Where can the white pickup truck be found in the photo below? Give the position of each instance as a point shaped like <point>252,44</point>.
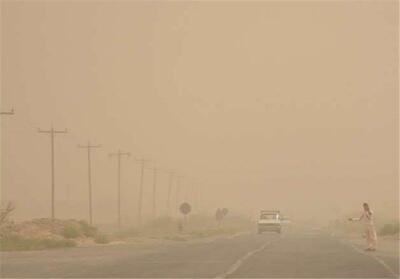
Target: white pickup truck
<point>269,220</point>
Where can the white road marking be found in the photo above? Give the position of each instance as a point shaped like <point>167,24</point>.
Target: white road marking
<point>239,262</point>
<point>370,254</point>
<point>238,234</point>
<point>226,237</point>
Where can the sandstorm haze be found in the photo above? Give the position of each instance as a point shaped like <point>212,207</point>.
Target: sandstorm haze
<point>265,105</point>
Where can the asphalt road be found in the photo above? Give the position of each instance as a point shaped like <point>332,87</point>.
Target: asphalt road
<point>307,254</point>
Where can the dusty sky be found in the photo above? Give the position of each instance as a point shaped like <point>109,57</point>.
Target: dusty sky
<point>290,105</point>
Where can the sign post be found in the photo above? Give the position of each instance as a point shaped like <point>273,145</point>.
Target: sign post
<point>220,214</point>
<point>185,209</point>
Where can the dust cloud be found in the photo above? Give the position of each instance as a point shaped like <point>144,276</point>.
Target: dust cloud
<point>261,105</point>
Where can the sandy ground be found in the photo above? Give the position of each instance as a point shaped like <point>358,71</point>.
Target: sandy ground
<point>148,242</point>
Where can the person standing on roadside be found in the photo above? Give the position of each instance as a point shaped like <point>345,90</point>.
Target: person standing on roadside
<point>367,219</point>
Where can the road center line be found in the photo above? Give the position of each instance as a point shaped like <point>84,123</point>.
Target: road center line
<point>238,234</point>
<point>380,261</point>
<point>239,262</point>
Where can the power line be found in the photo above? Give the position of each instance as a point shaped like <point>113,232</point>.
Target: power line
<point>52,132</point>
<point>119,154</point>
<point>89,148</point>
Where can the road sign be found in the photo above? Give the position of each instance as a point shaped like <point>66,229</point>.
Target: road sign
<point>185,208</point>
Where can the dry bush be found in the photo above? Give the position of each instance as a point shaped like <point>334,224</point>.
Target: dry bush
<point>5,212</point>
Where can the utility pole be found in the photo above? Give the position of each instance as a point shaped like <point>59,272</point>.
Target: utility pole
<point>142,161</point>
<point>178,191</point>
<point>89,148</point>
<point>197,194</point>
<point>154,191</point>
<point>52,132</point>
<point>11,112</point>
<point>119,155</point>
<point>190,192</point>
<point>187,193</point>
<point>155,171</point>
<point>171,179</point>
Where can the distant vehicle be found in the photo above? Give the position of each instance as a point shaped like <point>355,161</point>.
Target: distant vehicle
<point>269,220</point>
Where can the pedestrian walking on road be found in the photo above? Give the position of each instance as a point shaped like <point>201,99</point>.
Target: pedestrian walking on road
<point>367,219</point>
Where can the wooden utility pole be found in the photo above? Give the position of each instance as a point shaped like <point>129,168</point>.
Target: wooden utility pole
<point>119,154</point>
<point>89,148</point>
<point>197,186</point>
<point>156,171</point>
<point>52,132</point>
<point>197,200</point>
<point>178,191</point>
<point>171,179</point>
<point>142,162</point>
<point>154,191</point>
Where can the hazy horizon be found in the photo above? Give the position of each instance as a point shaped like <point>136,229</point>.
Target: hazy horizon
<point>266,105</point>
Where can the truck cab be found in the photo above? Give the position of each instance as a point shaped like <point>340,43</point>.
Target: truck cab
<point>269,221</point>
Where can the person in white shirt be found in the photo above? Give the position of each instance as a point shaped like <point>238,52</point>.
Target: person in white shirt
<point>367,219</point>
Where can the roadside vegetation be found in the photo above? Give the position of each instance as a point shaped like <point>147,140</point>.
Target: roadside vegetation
<point>44,233</point>
<point>14,242</point>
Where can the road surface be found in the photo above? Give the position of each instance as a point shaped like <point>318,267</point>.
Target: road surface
<point>307,254</point>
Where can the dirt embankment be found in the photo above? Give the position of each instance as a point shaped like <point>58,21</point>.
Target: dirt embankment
<point>46,233</point>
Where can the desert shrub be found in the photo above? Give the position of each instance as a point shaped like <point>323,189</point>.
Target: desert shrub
<point>18,243</point>
<point>390,229</point>
<point>15,242</point>
<point>101,239</point>
<point>5,212</point>
<point>86,229</point>
<point>71,231</point>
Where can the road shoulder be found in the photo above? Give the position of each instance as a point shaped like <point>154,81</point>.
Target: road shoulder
<point>387,252</point>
